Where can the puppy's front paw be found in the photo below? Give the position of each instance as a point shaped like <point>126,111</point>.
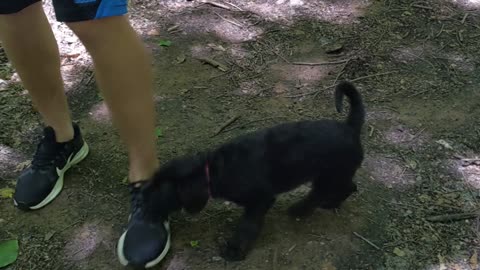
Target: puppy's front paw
<point>231,252</point>
<point>330,205</point>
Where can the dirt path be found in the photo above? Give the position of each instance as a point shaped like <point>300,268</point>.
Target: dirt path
<point>416,64</point>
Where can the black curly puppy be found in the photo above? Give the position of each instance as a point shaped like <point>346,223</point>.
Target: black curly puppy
<point>252,169</point>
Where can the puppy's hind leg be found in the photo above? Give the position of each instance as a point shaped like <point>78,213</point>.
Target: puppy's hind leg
<point>306,206</point>
<point>338,194</point>
<point>247,231</point>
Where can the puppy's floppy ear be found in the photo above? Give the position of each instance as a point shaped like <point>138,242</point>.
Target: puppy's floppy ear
<point>161,196</point>
<point>184,177</point>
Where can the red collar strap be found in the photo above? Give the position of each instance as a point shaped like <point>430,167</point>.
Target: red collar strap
<point>207,174</point>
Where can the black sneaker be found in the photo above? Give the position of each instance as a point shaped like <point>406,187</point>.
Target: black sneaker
<point>147,239</point>
<point>42,181</point>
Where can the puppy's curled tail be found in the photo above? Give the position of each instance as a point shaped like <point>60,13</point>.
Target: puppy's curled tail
<point>356,116</point>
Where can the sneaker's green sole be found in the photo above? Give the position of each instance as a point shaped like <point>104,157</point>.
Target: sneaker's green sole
<point>79,156</point>
<point>123,260</point>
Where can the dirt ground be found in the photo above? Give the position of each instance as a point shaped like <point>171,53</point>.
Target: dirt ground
<point>415,63</point>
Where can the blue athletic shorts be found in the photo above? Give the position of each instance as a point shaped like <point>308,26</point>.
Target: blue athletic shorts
<point>72,10</point>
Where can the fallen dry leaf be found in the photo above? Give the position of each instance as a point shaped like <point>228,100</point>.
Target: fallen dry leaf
<point>474,261</point>
<point>444,144</point>
<point>23,165</point>
<point>441,262</point>
<point>153,32</point>
<point>216,47</point>
<point>328,266</point>
<point>180,59</point>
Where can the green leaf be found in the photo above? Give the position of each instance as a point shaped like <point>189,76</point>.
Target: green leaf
<point>6,193</point>
<point>165,43</point>
<point>125,180</point>
<point>158,132</point>
<point>194,243</point>
<point>399,252</point>
<point>8,252</point>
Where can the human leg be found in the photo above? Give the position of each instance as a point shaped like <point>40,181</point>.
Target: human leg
<point>31,47</point>
<point>123,72</point>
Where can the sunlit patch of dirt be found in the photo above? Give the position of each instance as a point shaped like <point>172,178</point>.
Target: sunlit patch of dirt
<point>228,28</point>
<point>460,264</point>
<point>389,171</point>
<point>430,55</point>
<point>87,239</point>
<point>459,62</point>
<point>280,88</point>
<point>475,4</point>
<point>410,54</point>
<point>405,137</point>
<point>238,52</point>
<point>468,169</point>
<point>73,55</point>
<point>288,11</point>
<point>302,74</point>
<point>100,113</point>
<point>281,11</point>
<point>179,262</point>
<point>381,115</point>
<point>9,160</point>
<point>250,88</point>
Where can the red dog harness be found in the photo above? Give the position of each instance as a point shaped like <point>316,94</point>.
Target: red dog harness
<point>207,174</point>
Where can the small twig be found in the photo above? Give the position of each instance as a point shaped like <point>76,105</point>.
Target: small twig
<point>292,248</point>
<point>213,63</point>
<point>470,159</point>
<point>275,259</point>
<point>317,235</point>
<point>311,93</point>
<point>366,240</point>
<point>464,18</point>
<point>372,129</point>
<point>235,6</point>
<point>92,75</point>
<point>418,93</point>
<point>225,125</point>
<point>261,91</point>
<point>418,134</point>
<point>422,7</point>
<point>281,56</point>
<point>452,217</point>
<point>175,27</point>
<point>373,75</point>
<point>219,75</point>
<point>338,75</point>
<point>460,36</point>
<point>441,31</point>
<point>176,31</point>
<point>230,21</point>
<point>64,229</point>
<point>418,57</point>
<point>216,4</point>
<point>320,63</point>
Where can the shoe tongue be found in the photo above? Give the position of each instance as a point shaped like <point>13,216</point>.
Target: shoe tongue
<point>49,135</point>
<point>48,143</point>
